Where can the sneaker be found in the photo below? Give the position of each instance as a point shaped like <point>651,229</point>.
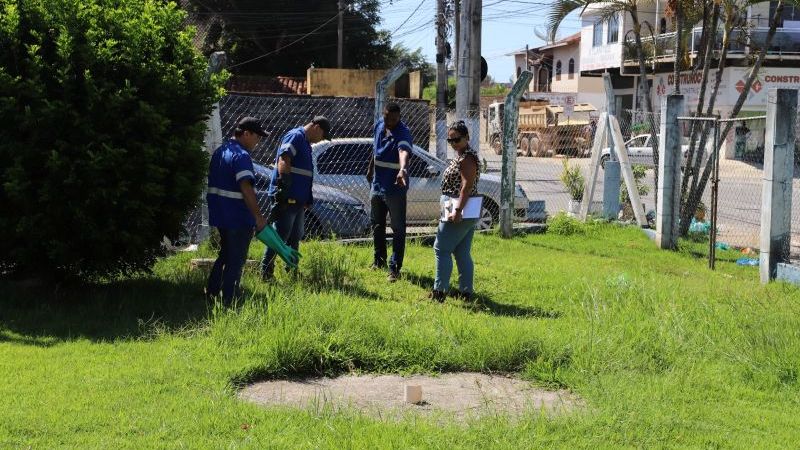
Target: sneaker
<point>376,266</point>
<point>393,276</point>
<point>437,296</point>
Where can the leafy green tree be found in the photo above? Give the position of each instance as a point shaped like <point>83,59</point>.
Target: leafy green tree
<point>285,37</point>
<point>103,108</point>
<point>417,60</point>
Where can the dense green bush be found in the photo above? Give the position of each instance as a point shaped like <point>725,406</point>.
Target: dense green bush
<point>102,109</point>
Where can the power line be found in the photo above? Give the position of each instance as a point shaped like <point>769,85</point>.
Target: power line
<point>409,17</point>
<point>287,45</point>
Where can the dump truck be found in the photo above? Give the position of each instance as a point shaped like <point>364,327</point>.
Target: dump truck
<point>544,129</point>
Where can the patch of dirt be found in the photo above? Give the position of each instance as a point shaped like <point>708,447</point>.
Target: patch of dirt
<point>463,395</point>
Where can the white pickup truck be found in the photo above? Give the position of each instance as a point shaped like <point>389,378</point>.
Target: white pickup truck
<point>640,151</point>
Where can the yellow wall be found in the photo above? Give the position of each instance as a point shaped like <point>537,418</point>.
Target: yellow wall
<point>344,82</point>
<point>415,84</point>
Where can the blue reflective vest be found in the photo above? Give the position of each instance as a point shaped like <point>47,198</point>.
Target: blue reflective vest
<point>230,164</point>
<point>387,157</point>
<point>296,146</point>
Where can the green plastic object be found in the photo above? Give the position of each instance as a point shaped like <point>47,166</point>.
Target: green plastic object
<point>270,238</point>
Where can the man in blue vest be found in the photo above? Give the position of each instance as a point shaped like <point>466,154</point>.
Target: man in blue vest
<point>290,186</point>
<point>233,207</point>
<point>389,177</point>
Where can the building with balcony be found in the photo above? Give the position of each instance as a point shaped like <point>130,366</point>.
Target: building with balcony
<point>606,45</point>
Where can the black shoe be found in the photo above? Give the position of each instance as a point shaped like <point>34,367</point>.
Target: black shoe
<point>437,296</point>
<point>466,296</point>
<point>393,276</point>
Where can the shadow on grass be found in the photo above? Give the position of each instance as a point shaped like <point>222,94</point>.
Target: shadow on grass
<point>483,303</point>
<point>128,309</point>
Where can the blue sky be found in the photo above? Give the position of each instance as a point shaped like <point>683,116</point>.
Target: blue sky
<point>507,26</point>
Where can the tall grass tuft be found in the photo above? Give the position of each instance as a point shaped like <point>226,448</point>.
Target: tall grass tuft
<point>327,267</point>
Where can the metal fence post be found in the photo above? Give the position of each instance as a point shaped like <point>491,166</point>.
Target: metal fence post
<point>212,139</point>
<point>611,172</point>
<point>382,86</point>
<point>510,128</point>
<point>669,173</point>
<point>776,197</point>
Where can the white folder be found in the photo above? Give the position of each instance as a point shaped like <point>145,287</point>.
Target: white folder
<point>472,210</point>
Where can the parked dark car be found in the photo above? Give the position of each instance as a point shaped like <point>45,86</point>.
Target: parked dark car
<point>334,213</point>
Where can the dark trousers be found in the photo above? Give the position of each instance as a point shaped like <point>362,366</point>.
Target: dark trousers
<point>226,274</point>
<point>289,223</point>
<point>395,205</point>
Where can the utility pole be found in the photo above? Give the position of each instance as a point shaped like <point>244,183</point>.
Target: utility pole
<point>456,32</point>
<point>441,81</point>
<point>469,67</point>
<point>468,92</point>
<point>340,47</point>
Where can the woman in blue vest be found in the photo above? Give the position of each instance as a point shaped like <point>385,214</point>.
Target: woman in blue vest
<point>290,186</point>
<point>454,236</point>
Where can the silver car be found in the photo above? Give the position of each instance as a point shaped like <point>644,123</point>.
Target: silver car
<point>342,163</point>
<point>640,151</point>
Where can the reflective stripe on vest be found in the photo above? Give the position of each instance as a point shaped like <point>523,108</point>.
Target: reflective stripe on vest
<point>303,172</point>
<point>244,173</point>
<point>290,147</point>
<point>387,165</point>
<point>224,193</point>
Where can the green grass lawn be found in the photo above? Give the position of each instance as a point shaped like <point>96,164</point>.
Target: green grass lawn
<point>663,351</point>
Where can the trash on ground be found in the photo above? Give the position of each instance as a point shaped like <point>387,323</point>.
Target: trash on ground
<point>747,261</point>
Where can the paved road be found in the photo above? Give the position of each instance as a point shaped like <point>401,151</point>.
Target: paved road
<point>739,194</point>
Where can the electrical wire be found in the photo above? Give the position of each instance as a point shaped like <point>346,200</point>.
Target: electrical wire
<point>287,45</point>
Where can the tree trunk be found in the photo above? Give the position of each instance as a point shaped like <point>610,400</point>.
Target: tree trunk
<point>695,198</point>
<point>710,41</point>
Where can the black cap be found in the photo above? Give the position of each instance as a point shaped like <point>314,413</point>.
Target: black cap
<point>325,124</point>
<point>252,125</point>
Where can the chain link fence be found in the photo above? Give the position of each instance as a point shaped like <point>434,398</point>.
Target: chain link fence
<point>553,154</point>
<point>741,176</point>
<point>553,159</point>
<point>341,191</point>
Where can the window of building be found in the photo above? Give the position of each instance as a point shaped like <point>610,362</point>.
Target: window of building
<point>613,29</point>
<point>597,34</point>
<point>519,71</point>
<point>571,69</point>
<point>558,70</point>
<point>663,25</point>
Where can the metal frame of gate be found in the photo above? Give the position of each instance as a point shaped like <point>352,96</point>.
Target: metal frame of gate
<point>716,122</point>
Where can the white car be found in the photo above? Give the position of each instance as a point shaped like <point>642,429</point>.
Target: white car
<point>640,151</point>
<point>342,163</point>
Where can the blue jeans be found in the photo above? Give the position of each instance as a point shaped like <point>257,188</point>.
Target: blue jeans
<point>289,224</point>
<point>227,271</point>
<point>454,239</point>
<point>395,205</point>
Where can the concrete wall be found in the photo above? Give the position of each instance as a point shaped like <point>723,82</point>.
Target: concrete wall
<point>415,85</point>
<point>344,82</point>
<point>591,90</point>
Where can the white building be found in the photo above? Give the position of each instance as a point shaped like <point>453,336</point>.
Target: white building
<point>602,50</point>
<point>555,69</point>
